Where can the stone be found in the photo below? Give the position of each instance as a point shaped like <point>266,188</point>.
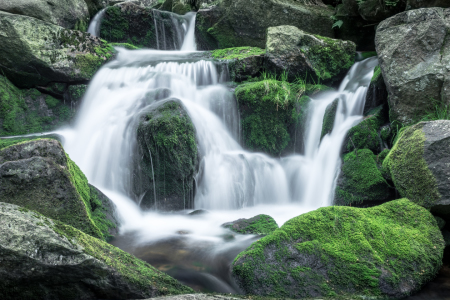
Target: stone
<point>235,23</point>
<point>414,55</point>
<point>377,93</point>
<point>74,94</point>
<point>38,175</point>
<point>167,157</point>
<point>379,10</point>
<point>260,224</point>
<point>341,251</point>
<point>70,14</point>
<point>179,7</point>
<point>94,6</point>
<point>291,50</point>
<point>37,53</point>
<point>46,259</point>
<point>414,4</point>
<point>329,117</point>
<point>419,165</point>
<point>197,297</point>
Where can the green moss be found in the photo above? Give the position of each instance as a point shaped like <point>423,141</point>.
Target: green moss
<point>328,118</point>
<point>261,224</point>
<point>408,169</point>
<point>382,156</point>
<point>125,45</point>
<point>361,180</point>
<point>88,64</point>
<point>237,53</point>
<point>344,250</point>
<point>368,54</point>
<point>114,25</point>
<point>376,74</point>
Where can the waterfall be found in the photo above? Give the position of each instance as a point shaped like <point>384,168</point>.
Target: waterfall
<point>94,26</point>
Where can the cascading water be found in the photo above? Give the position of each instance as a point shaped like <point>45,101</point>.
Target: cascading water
<point>232,183</point>
<point>94,26</point>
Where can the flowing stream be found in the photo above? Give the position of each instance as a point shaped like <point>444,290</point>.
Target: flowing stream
<point>232,182</point>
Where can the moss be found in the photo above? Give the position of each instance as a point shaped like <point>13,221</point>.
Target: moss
<point>114,25</point>
<point>237,53</point>
<point>368,54</point>
<point>328,118</point>
<point>261,224</point>
<point>361,180</point>
<point>408,169</point>
<point>344,250</point>
<point>88,63</point>
<point>376,74</point>
<point>382,156</point>
<point>125,45</point>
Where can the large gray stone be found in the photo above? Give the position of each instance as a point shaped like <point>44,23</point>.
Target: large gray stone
<point>414,53</point>
<point>45,259</point>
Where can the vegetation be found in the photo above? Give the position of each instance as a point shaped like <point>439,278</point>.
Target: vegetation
<point>237,53</point>
<point>261,224</point>
<point>329,117</point>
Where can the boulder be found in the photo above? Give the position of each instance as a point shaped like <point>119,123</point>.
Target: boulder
<point>71,14</point>
<point>73,95</point>
<point>386,251</point>
<point>376,94</point>
<point>142,27</point>
<point>46,259</point>
<point>361,182</point>
<point>197,296</point>
<point>291,50</point>
<point>179,7</point>
<point>378,10</point>
<point>167,159</point>
<point>419,165</point>
<point>30,111</point>
<point>414,53</point>
<point>235,23</point>
<point>38,175</point>
<point>260,224</point>
<point>329,117</point>
<point>414,4</point>
<point>36,53</point>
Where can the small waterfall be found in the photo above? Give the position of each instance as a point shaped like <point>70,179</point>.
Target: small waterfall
<point>94,26</point>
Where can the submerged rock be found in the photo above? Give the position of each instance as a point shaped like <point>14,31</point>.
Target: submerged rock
<point>37,53</point>
<point>291,50</point>
<point>260,224</point>
<point>38,175</point>
<point>419,164</point>
<point>389,251</point>
<point>46,259</point>
<point>168,157</point>
<point>414,53</point>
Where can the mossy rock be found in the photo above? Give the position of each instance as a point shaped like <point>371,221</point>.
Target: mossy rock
<point>39,175</point>
<point>387,251</point>
<point>377,93</point>
<point>56,261</point>
<point>361,181</point>
<point>168,157</point>
<point>260,224</point>
<point>329,117</point>
<point>179,7</point>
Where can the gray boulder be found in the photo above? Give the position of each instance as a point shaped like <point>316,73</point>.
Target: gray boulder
<point>235,23</point>
<point>414,53</point>
<point>36,53</point>
<point>46,259</point>
<point>71,14</point>
<point>260,224</point>
<point>298,52</point>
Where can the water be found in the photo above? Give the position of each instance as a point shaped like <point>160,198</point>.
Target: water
<point>232,183</point>
<point>94,26</point>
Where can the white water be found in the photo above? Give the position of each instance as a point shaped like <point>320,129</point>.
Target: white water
<point>94,26</point>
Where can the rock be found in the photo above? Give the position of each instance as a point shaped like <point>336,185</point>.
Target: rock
<point>329,117</point>
<point>243,63</point>
<point>168,135</point>
<point>38,175</point>
<point>377,11</point>
<point>376,94</point>
<point>198,212</point>
<point>94,6</point>
<point>446,235</point>
<point>234,23</point>
<point>36,53</point>
<point>345,251</point>
<point>414,53</point>
<point>291,50</point>
<point>360,181</point>
<point>440,222</point>
<point>179,7</point>
<point>46,259</point>
<point>419,165</point>
<point>271,111</point>
<point>260,224</point>
<point>71,14</point>
<point>29,111</point>
<point>143,27</point>
<point>74,94</point>
<point>414,4</point>
<point>365,134</point>
<point>197,297</point>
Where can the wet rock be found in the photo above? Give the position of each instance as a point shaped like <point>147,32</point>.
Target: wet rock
<point>38,175</point>
<point>329,117</point>
<point>419,165</point>
<point>291,50</point>
<point>377,11</point>
<point>176,6</point>
<point>377,93</point>
<point>74,94</point>
<point>167,159</point>
<point>37,53</point>
<point>260,224</point>
<point>414,53</point>
<point>46,259</point>
<point>199,212</point>
<point>339,250</point>
<point>197,297</point>
<point>414,4</point>
<point>234,23</point>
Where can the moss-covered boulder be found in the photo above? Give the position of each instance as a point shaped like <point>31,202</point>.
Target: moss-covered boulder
<point>235,23</point>
<point>291,50</point>
<point>271,112</point>
<point>167,159</point>
<point>361,182</point>
<point>39,175</point>
<point>46,259</point>
<point>260,224</point>
<point>71,14</point>
<point>142,27</point>
<point>377,93</point>
<point>329,117</point>
<point>36,53</point>
<point>179,7</point>
<point>419,165</point>
<point>387,251</point>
